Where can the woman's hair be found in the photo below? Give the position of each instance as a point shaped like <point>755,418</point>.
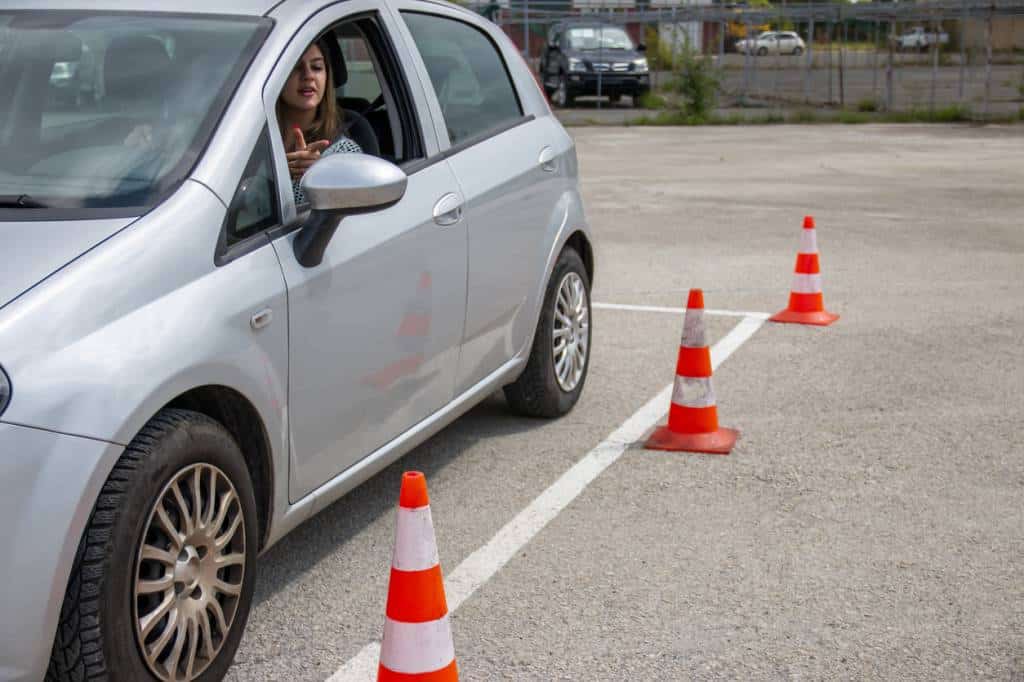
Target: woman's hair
<point>327,122</point>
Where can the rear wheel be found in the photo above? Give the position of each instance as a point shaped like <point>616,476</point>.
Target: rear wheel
<point>163,579</point>
<point>560,357</point>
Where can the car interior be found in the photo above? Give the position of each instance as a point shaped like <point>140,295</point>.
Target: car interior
<point>371,91</point>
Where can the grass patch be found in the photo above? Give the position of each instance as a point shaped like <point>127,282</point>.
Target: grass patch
<point>650,100</point>
<point>867,104</point>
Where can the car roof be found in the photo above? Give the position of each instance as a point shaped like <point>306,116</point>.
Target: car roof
<point>244,7</point>
<point>586,23</point>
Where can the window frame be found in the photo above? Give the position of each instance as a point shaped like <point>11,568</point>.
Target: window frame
<point>316,26</point>
<point>225,253</point>
<point>450,149</point>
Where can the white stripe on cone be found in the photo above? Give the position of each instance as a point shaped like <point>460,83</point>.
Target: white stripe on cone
<point>415,549</point>
<point>417,647</point>
<point>693,392</point>
<point>808,241</point>
<point>806,284</point>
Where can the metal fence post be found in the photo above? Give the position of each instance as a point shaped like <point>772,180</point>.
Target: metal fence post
<point>988,62</point>
<point>842,59</point>
<point>963,49</point>
<point>809,61</point>
<point>526,30</point>
<point>874,65</point>
<point>829,30</point>
<point>888,66</point>
<point>935,64</point>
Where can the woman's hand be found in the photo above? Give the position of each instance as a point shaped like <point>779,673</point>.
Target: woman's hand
<point>303,156</point>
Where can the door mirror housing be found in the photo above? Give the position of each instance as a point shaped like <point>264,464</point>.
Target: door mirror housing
<point>340,185</point>
<point>642,47</point>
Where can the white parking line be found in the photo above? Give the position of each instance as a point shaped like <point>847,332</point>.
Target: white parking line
<point>481,565</point>
<point>665,309</point>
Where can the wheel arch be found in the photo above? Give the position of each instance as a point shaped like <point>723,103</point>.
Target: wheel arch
<point>239,416</point>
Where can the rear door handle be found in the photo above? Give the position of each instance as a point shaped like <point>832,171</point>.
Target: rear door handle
<point>448,210</point>
<point>547,159</point>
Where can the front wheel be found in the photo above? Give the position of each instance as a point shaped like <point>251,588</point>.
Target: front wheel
<point>163,579</point>
<point>762,51</point>
<point>797,51</point>
<point>560,357</point>
<point>561,97</point>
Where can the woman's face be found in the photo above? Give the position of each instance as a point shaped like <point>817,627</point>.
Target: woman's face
<point>305,86</point>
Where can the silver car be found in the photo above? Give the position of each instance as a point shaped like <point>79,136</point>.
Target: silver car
<point>191,364</point>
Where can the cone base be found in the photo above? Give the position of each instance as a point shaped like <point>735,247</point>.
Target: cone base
<point>822,318</point>
<point>718,442</point>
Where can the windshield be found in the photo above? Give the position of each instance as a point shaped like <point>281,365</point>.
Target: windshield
<point>608,38</point>
<point>110,111</point>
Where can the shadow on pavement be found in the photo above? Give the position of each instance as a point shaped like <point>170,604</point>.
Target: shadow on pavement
<point>336,525</point>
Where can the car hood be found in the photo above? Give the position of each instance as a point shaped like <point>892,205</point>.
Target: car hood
<point>33,250</point>
<point>605,55</point>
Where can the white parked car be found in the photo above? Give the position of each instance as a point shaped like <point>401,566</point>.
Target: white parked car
<point>772,42</point>
<point>917,38</point>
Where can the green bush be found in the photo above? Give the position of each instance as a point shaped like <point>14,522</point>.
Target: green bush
<point>804,116</point>
<point>867,104</point>
<point>696,80</point>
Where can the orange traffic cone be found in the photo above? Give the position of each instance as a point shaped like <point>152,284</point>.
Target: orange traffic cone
<point>417,643</point>
<point>692,416</point>
<point>806,305</point>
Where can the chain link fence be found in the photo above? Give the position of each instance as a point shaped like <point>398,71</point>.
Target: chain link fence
<point>868,56</point>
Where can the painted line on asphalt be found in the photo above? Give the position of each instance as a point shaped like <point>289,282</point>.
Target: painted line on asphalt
<point>485,562</point>
<point>665,309</point>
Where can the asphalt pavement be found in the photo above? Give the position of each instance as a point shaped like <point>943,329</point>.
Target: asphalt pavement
<point>868,523</point>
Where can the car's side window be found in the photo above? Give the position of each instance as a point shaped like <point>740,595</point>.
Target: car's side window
<point>254,207</point>
<point>470,78</point>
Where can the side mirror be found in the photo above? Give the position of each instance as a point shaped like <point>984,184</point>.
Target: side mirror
<point>642,47</point>
<point>340,185</point>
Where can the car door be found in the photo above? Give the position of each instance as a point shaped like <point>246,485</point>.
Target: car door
<point>375,329</point>
<point>505,160</point>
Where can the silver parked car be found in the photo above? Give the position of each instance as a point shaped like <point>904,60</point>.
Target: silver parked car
<point>191,362</point>
<point>772,42</point>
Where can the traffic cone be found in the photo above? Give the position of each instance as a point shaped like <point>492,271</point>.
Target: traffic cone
<point>417,643</point>
<point>692,416</point>
<point>806,305</point>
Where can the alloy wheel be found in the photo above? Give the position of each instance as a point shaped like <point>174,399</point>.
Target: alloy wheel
<point>189,573</point>
<point>571,331</point>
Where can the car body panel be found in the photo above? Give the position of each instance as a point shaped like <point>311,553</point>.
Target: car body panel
<point>381,318</point>
<point>41,520</point>
<point>33,250</point>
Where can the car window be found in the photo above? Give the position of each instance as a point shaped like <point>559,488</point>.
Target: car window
<point>470,78</point>
<point>363,81</point>
<point>110,112</point>
<point>603,38</point>
<point>254,207</point>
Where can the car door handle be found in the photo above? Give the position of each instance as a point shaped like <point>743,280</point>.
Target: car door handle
<point>547,159</point>
<point>448,210</point>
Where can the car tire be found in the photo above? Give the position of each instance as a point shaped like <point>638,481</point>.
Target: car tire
<point>797,51</point>
<point>542,390</point>
<point>762,51</point>
<point>178,456</point>
<point>561,97</point>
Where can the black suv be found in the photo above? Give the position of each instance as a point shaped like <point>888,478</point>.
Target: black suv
<point>580,52</point>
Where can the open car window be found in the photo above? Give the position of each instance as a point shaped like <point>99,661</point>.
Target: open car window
<point>109,112</point>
